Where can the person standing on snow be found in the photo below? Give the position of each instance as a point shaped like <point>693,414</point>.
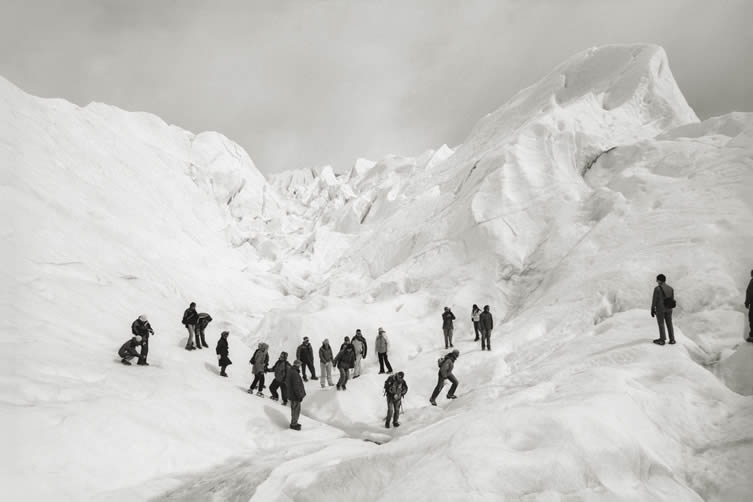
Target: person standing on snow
<point>487,324</point>
<point>447,327</point>
<point>395,389</point>
<point>201,324</point>
<point>359,346</point>
<point>259,365</point>
<point>662,304</point>
<point>305,354</point>
<point>222,351</point>
<point>296,393</point>
<point>128,350</point>
<point>475,318</point>
<point>141,327</point>
<point>325,363</point>
<point>344,361</point>
<point>749,306</point>
<point>382,345</point>
<point>190,318</point>
<point>280,369</point>
<point>446,365</point>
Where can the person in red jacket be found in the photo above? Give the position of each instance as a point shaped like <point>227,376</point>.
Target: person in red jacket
<point>296,393</point>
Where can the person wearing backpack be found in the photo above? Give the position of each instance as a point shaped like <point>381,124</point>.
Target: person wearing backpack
<point>202,321</point>
<point>222,351</point>
<point>296,393</point>
<point>259,365</point>
<point>447,327</point>
<point>344,360</point>
<point>190,318</point>
<point>280,369</point>
<point>141,328</point>
<point>446,365</point>
<point>487,324</point>
<point>325,363</point>
<point>475,318</point>
<point>395,389</point>
<point>128,350</point>
<point>749,306</point>
<point>662,304</point>
<point>382,345</point>
<point>359,346</point>
<point>305,354</point>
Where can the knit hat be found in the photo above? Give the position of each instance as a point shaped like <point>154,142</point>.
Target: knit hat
<point>347,338</point>
<point>305,339</point>
<point>143,318</point>
<point>283,355</point>
<point>456,352</point>
<point>325,341</point>
<point>224,333</point>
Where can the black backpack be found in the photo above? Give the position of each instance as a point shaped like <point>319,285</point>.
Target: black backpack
<point>669,303</point>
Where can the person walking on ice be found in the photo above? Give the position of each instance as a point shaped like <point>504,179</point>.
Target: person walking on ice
<point>296,393</point>
<point>395,389</point>
<point>305,354</point>
<point>749,306</point>
<point>447,327</point>
<point>662,303</point>
<point>344,360</point>
<point>259,365</point>
<point>475,318</point>
<point>359,346</point>
<point>382,345</point>
<point>202,321</point>
<point>222,353</point>
<point>446,365</point>
<point>190,318</point>
<point>487,324</point>
<point>280,370</point>
<point>141,328</point>
<point>325,363</point>
<point>128,350</point>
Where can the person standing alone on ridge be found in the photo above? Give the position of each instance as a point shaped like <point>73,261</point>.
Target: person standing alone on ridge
<point>222,351</point>
<point>662,304</point>
<point>749,306</point>
<point>447,327</point>
<point>190,318</point>
<point>475,316</point>
<point>141,327</point>
<point>359,345</point>
<point>296,393</point>
<point>446,365</point>
<point>382,345</point>
<point>487,324</point>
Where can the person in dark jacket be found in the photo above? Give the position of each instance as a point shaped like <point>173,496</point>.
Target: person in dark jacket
<point>344,361</point>
<point>296,393</point>
<point>325,363</point>
<point>749,306</point>
<point>487,324</point>
<point>141,327</point>
<point>128,350</point>
<point>661,307</point>
<point>201,325</point>
<point>305,354</point>
<point>382,346</point>
<point>222,353</point>
<point>359,345</point>
<point>259,366</point>
<point>395,388</point>
<point>280,370</point>
<point>190,318</point>
<point>447,327</point>
<point>446,366</point>
<point>475,319</point>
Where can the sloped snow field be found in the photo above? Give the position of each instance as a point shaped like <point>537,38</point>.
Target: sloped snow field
<point>558,211</point>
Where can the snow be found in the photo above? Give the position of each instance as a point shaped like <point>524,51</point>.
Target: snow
<point>557,210</point>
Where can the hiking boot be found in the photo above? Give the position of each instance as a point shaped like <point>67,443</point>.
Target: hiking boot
<point>305,379</point>
<point>295,427</point>
<point>274,398</point>
<point>452,397</point>
<point>433,403</point>
<point>381,372</point>
<point>356,377</point>
<point>749,339</point>
<point>223,375</point>
<point>260,394</point>
<point>250,391</point>
<point>127,363</point>
<point>387,425</point>
<point>339,387</point>
<point>142,363</point>
<point>659,341</point>
<point>204,344</point>
<point>672,342</point>
<point>396,424</point>
<point>284,403</point>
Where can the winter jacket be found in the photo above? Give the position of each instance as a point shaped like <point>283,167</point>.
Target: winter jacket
<point>657,302</point>
<point>190,316</point>
<point>486,320</point>
<point>447,318</point>
<point>382,344</point>
<point>475,315</point>
<point>260,361</point>
<point>294,383</point>
<point>325,354</point>
<point>222,350</point>
<point>281,369</point>
<point>359,345</point>
<point>129,348</point>
<point>202,320</point>
<point>447,366</point>
<point>305,353</point>
<point>749,294</point>
<point>142,329</point>
<point>346,359</point>
<point>395,389</point>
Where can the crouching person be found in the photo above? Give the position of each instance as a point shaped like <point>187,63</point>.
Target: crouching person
<point>222,353</point>
<point>128,350</point>
<point>395,389</point>
<point>296,393</point>
<point>280,369</point>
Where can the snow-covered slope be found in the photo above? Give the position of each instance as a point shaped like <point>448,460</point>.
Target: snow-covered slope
<point>558,210</point>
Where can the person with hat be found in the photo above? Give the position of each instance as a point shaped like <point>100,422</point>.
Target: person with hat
<point>662,304</point>
<point>280,370</point>
<point>259,366</point>
<point>128,350</point>
<point>395,389</point>
<point>222,353</point>
<point>382,345</point>
<point>296,393</point>
<point>344,360</point>
<point>190,318</point>
<point>141,327</point>
<point>325,363</point>
<point>360,348</point>
<point>305,354</point>
<point>446,365</point>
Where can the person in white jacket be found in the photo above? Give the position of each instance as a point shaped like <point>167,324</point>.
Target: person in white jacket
<point>382,345</point>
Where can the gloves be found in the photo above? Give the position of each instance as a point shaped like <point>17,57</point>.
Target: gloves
<point>653,313</point>
<point>219,356</point>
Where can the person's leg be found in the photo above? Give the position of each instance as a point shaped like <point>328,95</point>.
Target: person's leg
<point>273,389</point>
<point>347,376</point>
<point>670,328</point>
<point>454,387</point>
<point>284,392</point>
<point>488,336</point>
<point>380,356</point>
<point>437,389</point>
<point>303,372</point>
<point>222,371</point>
<point>191,332</point>
<point>396,405</point>
<point>342,377</point>
<point>475,328</point>
<point>312,369</point>
<point>357,366</point>
<point>295,412</point>
<point>446,338</point>
<point>261,381</point>
<point>660,321</point>
<point>390,407</point>
<point>387,363</point>
<point>329,373</point>
<point>255,382</point>
<point>451,330</point>
<point>203,339</point>
<point>322,370</point>
<point>144,350</point>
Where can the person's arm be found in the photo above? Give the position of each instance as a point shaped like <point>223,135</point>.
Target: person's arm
<point>749,294</point>
<point>654,301</point>
<point>491,321</point>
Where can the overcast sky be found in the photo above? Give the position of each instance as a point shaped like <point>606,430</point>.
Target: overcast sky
<point>307,83</point>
